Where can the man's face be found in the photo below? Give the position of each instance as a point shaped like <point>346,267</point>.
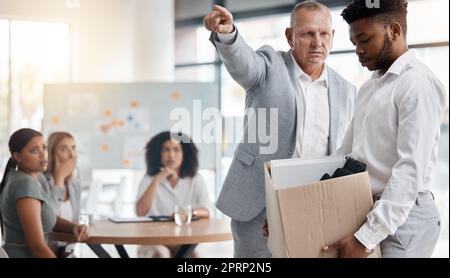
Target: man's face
<point>373,43</point>
<point>310,37</point>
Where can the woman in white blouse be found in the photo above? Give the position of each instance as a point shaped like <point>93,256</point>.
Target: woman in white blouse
<point>59,181</point>
<point>172,179</point>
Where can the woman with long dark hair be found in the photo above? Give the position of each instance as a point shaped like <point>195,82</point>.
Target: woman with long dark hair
<point>172,179</point>
<point>26,214</point>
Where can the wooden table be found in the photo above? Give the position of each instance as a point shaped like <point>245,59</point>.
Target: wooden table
<point>151,233</point>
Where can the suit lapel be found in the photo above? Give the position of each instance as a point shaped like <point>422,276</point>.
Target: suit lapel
<point>333,97</point>
<point>294,87</point>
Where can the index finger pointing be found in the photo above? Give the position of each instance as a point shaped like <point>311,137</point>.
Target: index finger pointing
<point>221,9</point>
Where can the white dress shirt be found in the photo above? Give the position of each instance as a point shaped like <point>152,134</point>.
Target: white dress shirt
<point>313,132</point>
<point>227,38</point>
<point>395,131</point>
<point>188,191</point>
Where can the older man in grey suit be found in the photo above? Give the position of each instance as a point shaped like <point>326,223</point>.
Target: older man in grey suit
<point>315,106</point>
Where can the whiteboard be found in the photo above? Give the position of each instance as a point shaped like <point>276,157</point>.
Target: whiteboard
<point>112,123</point>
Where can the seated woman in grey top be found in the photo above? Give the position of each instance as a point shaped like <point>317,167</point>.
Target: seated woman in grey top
<point>59,182</point>
<point>26,215</point>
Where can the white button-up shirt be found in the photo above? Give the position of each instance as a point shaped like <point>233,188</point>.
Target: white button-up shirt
<point>313,131</point>
<point>188,191</point>
<point>395,131</point>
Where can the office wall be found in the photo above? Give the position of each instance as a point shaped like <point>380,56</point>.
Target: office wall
<point>112,123</point>
<point>188,9</point>
<point>240,6</point>
<point>112,40</point>
<point>153,37</point>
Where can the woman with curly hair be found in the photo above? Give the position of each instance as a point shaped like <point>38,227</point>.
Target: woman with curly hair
<point>172,179</point>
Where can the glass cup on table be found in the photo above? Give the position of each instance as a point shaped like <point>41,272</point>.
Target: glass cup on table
<point>183,215</point>
<point>85,218</point>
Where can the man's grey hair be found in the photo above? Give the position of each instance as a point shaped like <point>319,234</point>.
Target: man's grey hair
<point>310,5</point>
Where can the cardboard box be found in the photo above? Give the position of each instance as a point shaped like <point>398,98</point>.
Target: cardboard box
<point>305,218</point>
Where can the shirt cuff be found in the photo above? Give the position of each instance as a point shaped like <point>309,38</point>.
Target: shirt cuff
<point>368,237</point>
<point>227,38</point>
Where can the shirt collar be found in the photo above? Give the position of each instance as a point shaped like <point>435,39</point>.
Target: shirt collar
<point>399,65</point>
<point>169,187</point>
<point>299,73</point>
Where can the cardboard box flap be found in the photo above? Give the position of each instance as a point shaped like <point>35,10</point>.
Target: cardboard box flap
<point>322,213</point>
<point>302,213</point>
<point>275,242</point>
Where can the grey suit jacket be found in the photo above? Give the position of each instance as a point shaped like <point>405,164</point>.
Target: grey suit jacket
<point>269,81</point>
<point>56,194</point>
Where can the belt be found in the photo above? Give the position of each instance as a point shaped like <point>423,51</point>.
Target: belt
<point>424,196</point>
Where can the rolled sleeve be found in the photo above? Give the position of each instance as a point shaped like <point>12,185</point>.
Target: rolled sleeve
<point>370,237</point>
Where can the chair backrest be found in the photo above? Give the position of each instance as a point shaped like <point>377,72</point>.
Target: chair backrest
<point>106,195</point>
<point>90,204</point>
<point>117,205</point>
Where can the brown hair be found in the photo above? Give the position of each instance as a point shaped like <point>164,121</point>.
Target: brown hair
<point>52,142</point>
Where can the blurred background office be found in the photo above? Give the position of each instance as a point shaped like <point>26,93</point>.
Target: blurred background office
<point>59,41</point>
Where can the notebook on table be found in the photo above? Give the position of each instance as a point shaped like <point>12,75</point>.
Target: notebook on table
<point>157,218</point>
